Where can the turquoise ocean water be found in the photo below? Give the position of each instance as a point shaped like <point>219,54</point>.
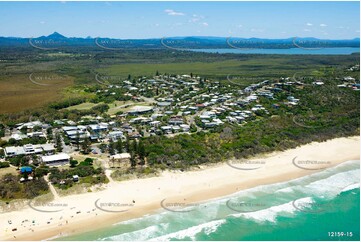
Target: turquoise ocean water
<point>322,206</point>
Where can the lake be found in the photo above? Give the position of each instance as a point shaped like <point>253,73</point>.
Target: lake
<point>292,51</point>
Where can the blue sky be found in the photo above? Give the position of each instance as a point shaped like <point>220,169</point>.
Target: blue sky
<point>327,20</point>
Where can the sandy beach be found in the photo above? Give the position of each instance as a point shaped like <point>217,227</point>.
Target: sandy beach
<point>134,198</point>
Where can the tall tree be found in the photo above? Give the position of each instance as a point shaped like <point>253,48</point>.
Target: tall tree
<point>119,145</point>
<point>85,146</point>
<point>141,152</point>
<point>135,147</point>
<point>77,140</point>
<point>127,145</point>
<point>59,143</point>
<point>111,148</point>
<point>133,162</point>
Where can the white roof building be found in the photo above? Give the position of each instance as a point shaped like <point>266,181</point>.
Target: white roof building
<point>120,156</point>
<point>57,159</point>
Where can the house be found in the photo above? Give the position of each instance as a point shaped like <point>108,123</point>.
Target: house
<point>155,123</point>
<point>18,136</point>
<point>348,78</point>
<point>58,159</point>
<point>356,87</point>
<point>48,149</point>
<point>185,127</point>
<point>163,104</point>
<point>176,120</point>
<point>318,83</point>
<point>97,128</point>
<point>115,135</point>
<point>276,105</point>
<point>36,134</point>
<point>29,149</point>
<point>122,157</point>
<point>166,129</point>
<point>134,135</point>
<point>75,178</point>
<point>210,124</point>
<point>30,125</point>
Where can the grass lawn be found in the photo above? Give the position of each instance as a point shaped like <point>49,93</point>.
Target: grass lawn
<point>114,107</point>
<point>10,169</point>
<point>82,106</point>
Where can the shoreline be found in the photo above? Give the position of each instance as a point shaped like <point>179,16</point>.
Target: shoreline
<point>135,198</point>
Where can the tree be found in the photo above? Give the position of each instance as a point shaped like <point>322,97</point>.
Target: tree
<point>73,163</point>
<point>12,141</point>
<point>141,152</point>
<point>59,143</point>
<point>111,147</point>
<point>127,145</point>
<point>133,162</point>
<point>102,147</point>
<point>101,108</point>
<point>85,146</point>
<point>88,161</point>
<point>135,147</point>
<point>49,133</point>
<point>37,128</point>
<point>77,140</point>
<point>119,145</point>
<point>24,130</point>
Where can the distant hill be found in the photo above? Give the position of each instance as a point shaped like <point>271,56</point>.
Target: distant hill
<point>58,41</point>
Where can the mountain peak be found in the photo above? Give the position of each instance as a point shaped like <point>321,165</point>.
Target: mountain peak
<point>56,35</point>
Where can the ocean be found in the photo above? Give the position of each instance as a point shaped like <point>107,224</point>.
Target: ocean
<point>291,51</point>
<point>321,206</point>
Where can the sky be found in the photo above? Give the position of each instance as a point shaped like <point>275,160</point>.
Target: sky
<point>140,20</point>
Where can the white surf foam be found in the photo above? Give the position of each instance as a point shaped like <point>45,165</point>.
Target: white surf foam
<point>270,214</point>
<point>351,187</point>
<point>191,232</point>
<point>140,235</point>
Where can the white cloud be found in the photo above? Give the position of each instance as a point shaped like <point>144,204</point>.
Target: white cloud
<point>196,18</point>
<point>240,26</point>
<point>42,22</point>
<point>173,13</point>
<point>309,24</point>
<point>307,30</point>
<point>205,24</point>
<point>323,25</point>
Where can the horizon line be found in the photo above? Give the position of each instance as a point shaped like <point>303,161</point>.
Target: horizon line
<point>185,36</point>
